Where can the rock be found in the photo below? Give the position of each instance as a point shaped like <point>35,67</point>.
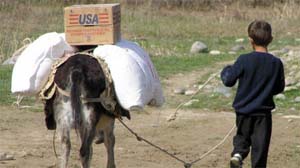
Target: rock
<point>232,52</point>
<point>9,61</point>
<point>290,81</point>
<point>239,40</point>
<point>215,52</point>
<point>297,99</point>
<point>5,156</point>
<point>297,39</point>
<point>226,91</point>
<point>189,103</point>
<point>238,48</point>
<point>190,92</point>
<point>280,97</point>
<point>289,88</point>
<point>291,117</point>
<point>284,50</point>
<point>290,120</point>
<point>179,90</point>
<point>275,52</point>
<point>198,47</point>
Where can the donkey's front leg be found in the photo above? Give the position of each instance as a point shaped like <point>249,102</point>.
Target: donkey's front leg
<point>109,141</point>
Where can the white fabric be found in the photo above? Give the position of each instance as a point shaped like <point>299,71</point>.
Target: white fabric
<point>135,79</point>
<point>31,71</point>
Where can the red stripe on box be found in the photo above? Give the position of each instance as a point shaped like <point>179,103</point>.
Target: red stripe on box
<point>102,17</point>
<point>73,22</point>
<point>72,15</point>
<point>73,19</point>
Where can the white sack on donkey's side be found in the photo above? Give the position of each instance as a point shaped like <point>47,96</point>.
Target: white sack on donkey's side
<point>135,79</point>
<point>31,71</point>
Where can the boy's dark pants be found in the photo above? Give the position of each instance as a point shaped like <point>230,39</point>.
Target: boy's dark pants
<point>254,131</point>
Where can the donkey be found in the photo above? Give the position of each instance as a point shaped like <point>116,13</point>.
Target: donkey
<point>80,77</point>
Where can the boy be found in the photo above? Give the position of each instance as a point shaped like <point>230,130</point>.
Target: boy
<point>260,76</point>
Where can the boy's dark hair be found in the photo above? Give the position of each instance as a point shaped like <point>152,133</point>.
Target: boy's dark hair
<point>261,32</point>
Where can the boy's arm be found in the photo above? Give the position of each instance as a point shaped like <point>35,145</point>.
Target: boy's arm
<point>280,83</point>
<point>231,73</point>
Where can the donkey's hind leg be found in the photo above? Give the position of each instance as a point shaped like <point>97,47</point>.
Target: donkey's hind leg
<point>65,146</point>
<point>87,135</point>
<point>109,142</point>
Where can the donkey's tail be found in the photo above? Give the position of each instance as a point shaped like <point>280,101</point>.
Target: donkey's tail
<point>76,81</point>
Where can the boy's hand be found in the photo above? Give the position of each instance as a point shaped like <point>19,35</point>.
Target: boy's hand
<point>227,77</point>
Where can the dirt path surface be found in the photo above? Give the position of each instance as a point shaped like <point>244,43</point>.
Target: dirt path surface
<point>24,136</point>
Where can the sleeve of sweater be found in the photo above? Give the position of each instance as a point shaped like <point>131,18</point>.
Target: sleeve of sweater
<point>280,81</point>
<point>231,73</point>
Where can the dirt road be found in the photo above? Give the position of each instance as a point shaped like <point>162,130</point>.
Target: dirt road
<point>24,135</point>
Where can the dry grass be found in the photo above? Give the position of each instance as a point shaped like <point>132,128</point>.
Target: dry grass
<point>169,31</point>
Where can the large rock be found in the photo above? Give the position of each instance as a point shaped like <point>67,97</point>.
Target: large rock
<point>198,47</point>
<point>297,99</point>
<point>238,48</point>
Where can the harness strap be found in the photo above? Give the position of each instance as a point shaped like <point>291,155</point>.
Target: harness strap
<point>107,103</point>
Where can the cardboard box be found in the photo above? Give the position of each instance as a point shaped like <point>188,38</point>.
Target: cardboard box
<point>93,24</point>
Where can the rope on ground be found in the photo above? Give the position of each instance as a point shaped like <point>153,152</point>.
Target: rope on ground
<point>186,164</point>
<point>139,138</point>
<point>215,147</point>
<point>174,115</point>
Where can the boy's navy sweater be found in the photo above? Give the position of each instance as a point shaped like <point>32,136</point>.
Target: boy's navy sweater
<point>260,76</point>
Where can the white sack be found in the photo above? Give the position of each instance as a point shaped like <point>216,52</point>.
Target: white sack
<point>135,79</point>
<point>31,71</point>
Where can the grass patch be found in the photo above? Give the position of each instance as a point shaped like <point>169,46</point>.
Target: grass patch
<point>289,102</point>
<point>214,101</point>
<point>171,65</point>
<point>5,83</point>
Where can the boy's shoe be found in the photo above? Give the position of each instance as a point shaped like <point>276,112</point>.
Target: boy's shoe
<point>236,161</point>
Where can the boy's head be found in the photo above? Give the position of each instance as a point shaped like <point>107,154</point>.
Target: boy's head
<point>260,32</point>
